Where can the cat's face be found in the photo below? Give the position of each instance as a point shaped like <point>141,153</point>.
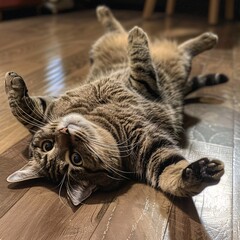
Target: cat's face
<point>75,152</point>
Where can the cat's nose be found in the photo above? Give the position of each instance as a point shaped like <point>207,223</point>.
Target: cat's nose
<point>12,74</point>
<point>64,131</point>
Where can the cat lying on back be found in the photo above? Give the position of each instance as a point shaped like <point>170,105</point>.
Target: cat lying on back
<point>124,123</point>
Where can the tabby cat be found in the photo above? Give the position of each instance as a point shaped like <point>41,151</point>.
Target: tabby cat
<point>124,123</point>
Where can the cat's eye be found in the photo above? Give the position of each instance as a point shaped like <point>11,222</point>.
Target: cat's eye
<point>47,146</point>
<point>76,159</point>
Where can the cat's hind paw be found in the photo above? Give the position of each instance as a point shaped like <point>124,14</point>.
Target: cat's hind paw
<point>209,39</point>
<point>204,171</point>
<point>137,36</point>
<point>103,13</point>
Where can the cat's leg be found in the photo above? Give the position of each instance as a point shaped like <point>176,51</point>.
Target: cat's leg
<point>143,76</point>
<point>199,44</point>
<point>28,110</point>
<point>183,181</point>
<point>169,171</point>
<point>109,51</point>
<point>201,81</point>
<point>107,19</point>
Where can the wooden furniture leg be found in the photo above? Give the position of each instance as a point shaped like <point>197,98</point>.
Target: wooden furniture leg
<point>170,7</point>
<point>148,8</point>
<point>229,9</point>
<point>213,11</point>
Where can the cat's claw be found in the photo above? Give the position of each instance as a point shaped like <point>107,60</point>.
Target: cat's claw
<point>204,170</point>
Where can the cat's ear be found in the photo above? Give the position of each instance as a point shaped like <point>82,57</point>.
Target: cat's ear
<point>30,171</point>
<point>80,191</point>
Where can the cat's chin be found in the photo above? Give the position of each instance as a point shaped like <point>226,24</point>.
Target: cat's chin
<point>73,119</point>
<point>74,122</point>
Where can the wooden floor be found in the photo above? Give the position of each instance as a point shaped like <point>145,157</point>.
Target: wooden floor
<point>51,53</point>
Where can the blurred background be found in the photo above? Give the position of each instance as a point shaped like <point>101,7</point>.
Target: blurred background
<point>12,9</point>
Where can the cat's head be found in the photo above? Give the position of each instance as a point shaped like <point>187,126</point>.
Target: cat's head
<point>76,152</point>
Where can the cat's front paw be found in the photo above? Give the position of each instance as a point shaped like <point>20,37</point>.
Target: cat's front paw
<point>15,88</point>
<point>209,39</point>
<point>204,171</point>
<point>138,37</point>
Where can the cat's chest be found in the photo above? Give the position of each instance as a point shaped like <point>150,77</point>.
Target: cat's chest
<point>110,104</point>
<point>99,97</point>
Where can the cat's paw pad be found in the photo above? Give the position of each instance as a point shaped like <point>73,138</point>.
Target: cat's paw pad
<point>103,13</point>
<point>137,36</point>
<point>204,170</point>
<point>15,88</point>
<point>210,39</point>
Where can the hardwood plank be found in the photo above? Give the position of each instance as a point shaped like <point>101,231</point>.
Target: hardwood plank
<point>41,214</point>
<point>139,212</point>
<point>11,161</point>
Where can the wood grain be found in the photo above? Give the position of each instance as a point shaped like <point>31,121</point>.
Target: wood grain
<point>51,53</point>
<point>138,213</point>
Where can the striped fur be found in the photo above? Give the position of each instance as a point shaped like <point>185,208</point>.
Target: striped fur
<point>204,80</point>
<point>124,123</point>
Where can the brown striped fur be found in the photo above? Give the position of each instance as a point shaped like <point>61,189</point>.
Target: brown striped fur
<point>124,123</point>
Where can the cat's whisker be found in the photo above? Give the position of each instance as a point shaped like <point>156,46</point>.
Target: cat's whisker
<point>34,108</point>
<point>112,168</point>
<point>40,169</point>
<point>36,121</point>
<point>118,179</point>
<point>118,170</point>
<point>70,175</point>
<point>112,147</point>
<point>60,189</point>
<point>25,119</point>
<point>108,165</point>
<point>105,162</point>
<point>49,118</point>
<point>128,151</point>
<point>52,116</point>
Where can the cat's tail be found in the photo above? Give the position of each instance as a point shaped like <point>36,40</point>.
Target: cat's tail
<point>203,81</point>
